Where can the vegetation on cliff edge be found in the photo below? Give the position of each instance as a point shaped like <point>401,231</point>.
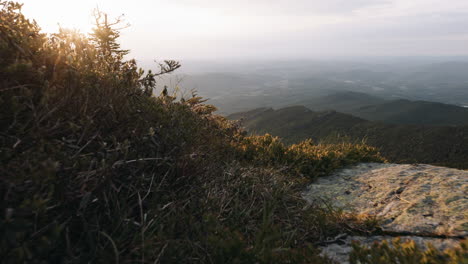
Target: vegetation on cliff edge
<point>95,169</point>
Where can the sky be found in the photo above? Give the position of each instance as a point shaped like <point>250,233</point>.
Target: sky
<point>271,29</point>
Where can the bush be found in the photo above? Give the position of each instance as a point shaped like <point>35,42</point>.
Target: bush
<point>96,169</point>
<point>305,158</point>
<point>407,252</point>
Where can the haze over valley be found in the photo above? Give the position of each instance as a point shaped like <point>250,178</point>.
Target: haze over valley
<point>346,86</point>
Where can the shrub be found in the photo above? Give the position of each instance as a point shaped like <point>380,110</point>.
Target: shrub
<point>407,252</point>
<point>97,169</point>
<point>89,158</point>
<point>305,158</point>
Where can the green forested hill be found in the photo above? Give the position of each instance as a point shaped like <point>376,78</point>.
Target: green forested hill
<point>391,111</point>
<point>345,102</point>
<point>296,122</point>
<point>443,145</point>
<point>415,112</point>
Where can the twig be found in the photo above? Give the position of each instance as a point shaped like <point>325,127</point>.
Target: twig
<point>160,254</point>
<point>116,252</point>
<point>85,145</point>
<point>121,162</point>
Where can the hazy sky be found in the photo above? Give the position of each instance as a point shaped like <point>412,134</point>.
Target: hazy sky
<point>276,29</point>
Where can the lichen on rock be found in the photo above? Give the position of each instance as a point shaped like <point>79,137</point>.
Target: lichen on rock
<point>417,200</point>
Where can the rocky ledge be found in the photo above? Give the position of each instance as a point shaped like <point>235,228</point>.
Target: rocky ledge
<point>421,202</point>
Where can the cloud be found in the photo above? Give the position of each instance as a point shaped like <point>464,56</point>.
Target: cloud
<point>275,28</point>
<point>285,7</point>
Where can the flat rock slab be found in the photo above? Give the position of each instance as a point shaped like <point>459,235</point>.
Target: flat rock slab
<point>415,199</point>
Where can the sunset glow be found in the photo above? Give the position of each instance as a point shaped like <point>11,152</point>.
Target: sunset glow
<point>213,29</point>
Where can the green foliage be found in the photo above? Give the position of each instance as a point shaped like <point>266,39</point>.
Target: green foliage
<point>93,168</point>
<point>256,216</point>
<point>96,170</point>
<point>436,145</point>
<point>407,253</point>
<point>306,158</point>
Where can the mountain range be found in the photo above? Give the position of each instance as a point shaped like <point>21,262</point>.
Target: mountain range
<point>400,111</point>
<point>441,145</point>
<point>235,87</point>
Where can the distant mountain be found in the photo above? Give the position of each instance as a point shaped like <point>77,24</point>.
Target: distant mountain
<point>441,145</point>
<point>295,122</point>
<point>346,101</point>
<point>436,73</point>
<point>341,86</point>
<point>391,111</point>
<point>415,112</point>
<point>361,75</point>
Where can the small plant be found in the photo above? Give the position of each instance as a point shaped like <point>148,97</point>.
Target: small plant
<point>407,252</point>
<point>305,158</point>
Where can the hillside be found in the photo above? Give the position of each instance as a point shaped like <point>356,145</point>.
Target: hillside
<point>345,85</point>
<point>440,73</point>
<point>441,145</point>
<point>414,112</point>
<point>345,102</point>
<point>296,122</point>
<point>391,111</point>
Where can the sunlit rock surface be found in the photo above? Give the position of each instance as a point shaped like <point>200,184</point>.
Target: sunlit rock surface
<point>416,200</point>
<point>340,251</point>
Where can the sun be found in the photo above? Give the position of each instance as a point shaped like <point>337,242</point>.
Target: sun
<point>53,14</point>
<point>158,16</point>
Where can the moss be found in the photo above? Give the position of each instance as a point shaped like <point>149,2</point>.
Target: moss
<point>453,199</point>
